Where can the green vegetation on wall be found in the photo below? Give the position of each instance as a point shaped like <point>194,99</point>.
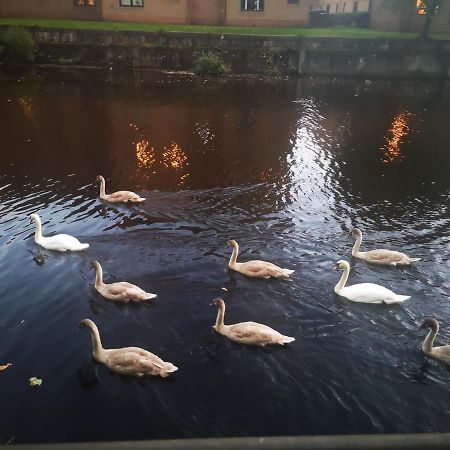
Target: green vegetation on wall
<point>210,64</point>
<point>17,44</point>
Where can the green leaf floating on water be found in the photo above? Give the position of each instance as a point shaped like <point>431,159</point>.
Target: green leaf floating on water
<point>35,381</point>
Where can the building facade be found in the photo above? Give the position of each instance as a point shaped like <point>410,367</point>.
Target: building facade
<point>205,12</point>
<point>270,13</point>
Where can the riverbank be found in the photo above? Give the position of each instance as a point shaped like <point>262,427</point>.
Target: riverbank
<point>273,55</point>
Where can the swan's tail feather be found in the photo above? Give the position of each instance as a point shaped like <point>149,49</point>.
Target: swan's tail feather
<point>82,247</point>
<point>284,273</point>
<point>149,296</point>
<point>399,299</point>
<point>170,368</point>
<point>286,340</point>
<point>414,259</point>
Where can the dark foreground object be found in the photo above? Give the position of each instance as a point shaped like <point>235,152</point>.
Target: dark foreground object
<point>363,442</point>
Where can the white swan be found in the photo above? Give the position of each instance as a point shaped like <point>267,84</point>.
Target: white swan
<point>442,352</point>
<point>380,256</point>
<point>364,292</point>
<point>251,333</point>
<point>256,268</point>
<point>119,292</point>
<point>131,361</point>
<point>60,242</point>
<point>119,196</point>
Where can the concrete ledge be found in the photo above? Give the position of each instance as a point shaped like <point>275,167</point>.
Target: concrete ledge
<point>246,54</point>
<point>353,442</point>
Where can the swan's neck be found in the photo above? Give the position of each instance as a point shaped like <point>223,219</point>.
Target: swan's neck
<point>220,318</point>
<point>98,276</point>
<point>38,232</point>
<point>343,280</point>
<point>355,249</point>
<point>234,256</point>
<point>102,188</point>
<point>427,345</point>
<point>97,348</point>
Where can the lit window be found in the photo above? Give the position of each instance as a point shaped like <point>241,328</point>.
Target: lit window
<point>293,2</point>
<point>132,3</point>
<point>252,5</point>
<point>84,2</point>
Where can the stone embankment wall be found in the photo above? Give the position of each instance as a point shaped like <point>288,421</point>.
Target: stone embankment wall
<point>245,54</point>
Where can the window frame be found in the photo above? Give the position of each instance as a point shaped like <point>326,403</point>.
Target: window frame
<point>131,5</point>
<point>245,4</point>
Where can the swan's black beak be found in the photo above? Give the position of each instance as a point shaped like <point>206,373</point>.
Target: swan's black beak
<point>336,267</point>
<point>81,325</point>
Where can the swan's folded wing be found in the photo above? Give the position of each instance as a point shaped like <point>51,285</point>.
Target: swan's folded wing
<point>251,330</point>
<point>258,268</point>
<point>136,358</point>
<point>384,255</point>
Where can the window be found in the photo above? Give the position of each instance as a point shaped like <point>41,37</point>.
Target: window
<point>355,7</point>
<point>343,9</point>
<point>293,2</point>
<point>252,5</point>
<point>84,2</point>
<point>131,3</point>
<point>337,7</point>
<point>328,9</point>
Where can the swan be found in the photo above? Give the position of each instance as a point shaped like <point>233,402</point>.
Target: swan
<point>132,361</point>
<point>60,242</point>
<point>251,333</point>
<point>120,292</point>
<point>442,352</point>
<point>119,196</point>
<point>258,269</point>
<point>380,256</point>
<point>364,292</point>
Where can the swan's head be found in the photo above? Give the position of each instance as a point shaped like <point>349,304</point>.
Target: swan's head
<point>94,265</point>
<point>35,218</point>
<point>356,232</point>
<point>430,323</point>
<point>341,265</point>
<point>99,178</point>
<point>232,243</point>
<point>86,323</point>
<point>218,302</point>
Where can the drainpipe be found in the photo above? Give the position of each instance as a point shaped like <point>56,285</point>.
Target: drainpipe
<point>189,12</point>
<point>223,16</point>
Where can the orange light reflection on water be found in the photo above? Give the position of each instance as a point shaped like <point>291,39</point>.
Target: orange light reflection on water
<point>27,107</point>
<point>145,156</point>
<point>395,137</point>
<point>174,157</point>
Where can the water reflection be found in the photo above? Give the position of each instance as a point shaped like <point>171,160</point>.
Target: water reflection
<point>146,156</point>
<point>282,167</point>
<point>174,157</point>
<point>395,137</point>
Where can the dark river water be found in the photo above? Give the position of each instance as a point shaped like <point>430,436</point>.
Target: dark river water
<point>283,167</point>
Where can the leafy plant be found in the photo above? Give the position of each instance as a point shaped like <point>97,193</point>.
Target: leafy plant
<point>210,64</point>
<point>18,44</point>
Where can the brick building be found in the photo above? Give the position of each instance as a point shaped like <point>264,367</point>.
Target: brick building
<point>207,12</point>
